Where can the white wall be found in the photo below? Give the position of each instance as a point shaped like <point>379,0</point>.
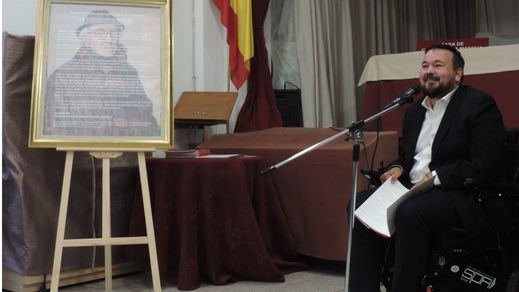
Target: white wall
<point>200,50</point>
<point>19,16</point>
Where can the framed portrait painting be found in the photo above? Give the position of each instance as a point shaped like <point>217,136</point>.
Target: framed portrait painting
<point>102,75</point>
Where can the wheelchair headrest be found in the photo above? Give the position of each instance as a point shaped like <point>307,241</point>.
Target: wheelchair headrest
<point>512,154</point>
<point>512,136</point>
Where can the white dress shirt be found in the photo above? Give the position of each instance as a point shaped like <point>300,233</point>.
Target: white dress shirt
<point>433,117</point>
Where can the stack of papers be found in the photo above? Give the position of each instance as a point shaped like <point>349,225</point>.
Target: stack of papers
<point>176,153</point>
<point>191,153</point>
<point>218,156</point>
<point>179,153</point>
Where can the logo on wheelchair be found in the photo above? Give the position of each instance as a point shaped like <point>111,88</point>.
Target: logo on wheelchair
<point>473,276</point>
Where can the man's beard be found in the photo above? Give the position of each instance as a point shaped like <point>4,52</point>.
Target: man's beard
<point>440,90</point>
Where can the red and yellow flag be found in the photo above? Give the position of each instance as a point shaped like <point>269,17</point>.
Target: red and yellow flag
<point>236,16</point>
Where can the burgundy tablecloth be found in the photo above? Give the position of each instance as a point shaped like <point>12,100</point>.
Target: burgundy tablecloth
<point>217,220</point>
<point>314,189</point>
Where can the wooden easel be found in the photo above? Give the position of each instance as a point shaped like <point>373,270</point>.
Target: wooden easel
<point>107,240</point>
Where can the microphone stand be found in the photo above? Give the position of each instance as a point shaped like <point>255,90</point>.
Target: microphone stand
<point>356,129</point>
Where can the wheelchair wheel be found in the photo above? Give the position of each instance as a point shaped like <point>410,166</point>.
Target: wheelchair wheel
<point>513,282</point>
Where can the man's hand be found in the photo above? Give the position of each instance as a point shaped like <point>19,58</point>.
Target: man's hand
<point>425,178</point>
<point>394,173</point>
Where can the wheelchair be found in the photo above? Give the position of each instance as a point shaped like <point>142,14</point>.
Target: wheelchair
<point>489,262</point>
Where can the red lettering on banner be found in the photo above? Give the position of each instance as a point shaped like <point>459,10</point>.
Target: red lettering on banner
<point>457,43</point>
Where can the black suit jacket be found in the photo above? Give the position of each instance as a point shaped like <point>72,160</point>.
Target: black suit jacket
<point>468,143</point>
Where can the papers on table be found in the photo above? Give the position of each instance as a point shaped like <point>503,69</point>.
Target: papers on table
<point>175,153</point>
<point>218,156</point>
<point>191,153</point>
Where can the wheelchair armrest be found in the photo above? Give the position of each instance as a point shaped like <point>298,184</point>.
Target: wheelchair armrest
<point>471,183</point>
<point>484,190</point>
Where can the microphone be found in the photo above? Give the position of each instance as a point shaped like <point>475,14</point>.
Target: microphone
<point>405,97</point>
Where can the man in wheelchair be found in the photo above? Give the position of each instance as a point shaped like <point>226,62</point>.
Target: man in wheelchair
<point>449,233</point>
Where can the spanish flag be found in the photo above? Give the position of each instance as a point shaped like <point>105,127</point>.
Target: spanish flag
<point>236,16</point>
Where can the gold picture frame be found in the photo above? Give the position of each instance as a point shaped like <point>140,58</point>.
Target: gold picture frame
<point>102,75</point>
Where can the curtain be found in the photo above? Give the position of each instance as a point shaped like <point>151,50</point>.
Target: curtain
<point>338,37</point>
<point>395,26</point>
<point>324,53</point>
<point>285,67</point>
<point>372,28</point>
<point>498,20</point>
<point>259,111</point>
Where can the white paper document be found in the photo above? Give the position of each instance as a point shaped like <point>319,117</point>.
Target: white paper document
<point>378,211</point>
<point>218,156</point>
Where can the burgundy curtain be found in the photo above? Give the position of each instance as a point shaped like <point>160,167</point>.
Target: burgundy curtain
<point>259,111</point>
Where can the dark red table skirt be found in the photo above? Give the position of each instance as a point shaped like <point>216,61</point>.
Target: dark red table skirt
<point>315,189</point>
<point>216,220</point>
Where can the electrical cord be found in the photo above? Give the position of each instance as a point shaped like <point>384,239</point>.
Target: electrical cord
<point>379,125</point>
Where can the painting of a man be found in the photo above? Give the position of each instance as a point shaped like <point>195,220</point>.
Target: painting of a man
<point>98,93</point>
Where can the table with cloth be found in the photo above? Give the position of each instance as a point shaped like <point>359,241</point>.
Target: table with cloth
<point>314,189</point>
<point>217,220</point>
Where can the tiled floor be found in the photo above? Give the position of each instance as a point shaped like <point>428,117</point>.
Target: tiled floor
<point>320,277</point>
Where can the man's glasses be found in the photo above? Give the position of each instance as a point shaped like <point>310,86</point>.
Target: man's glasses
<point>103,33</point>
